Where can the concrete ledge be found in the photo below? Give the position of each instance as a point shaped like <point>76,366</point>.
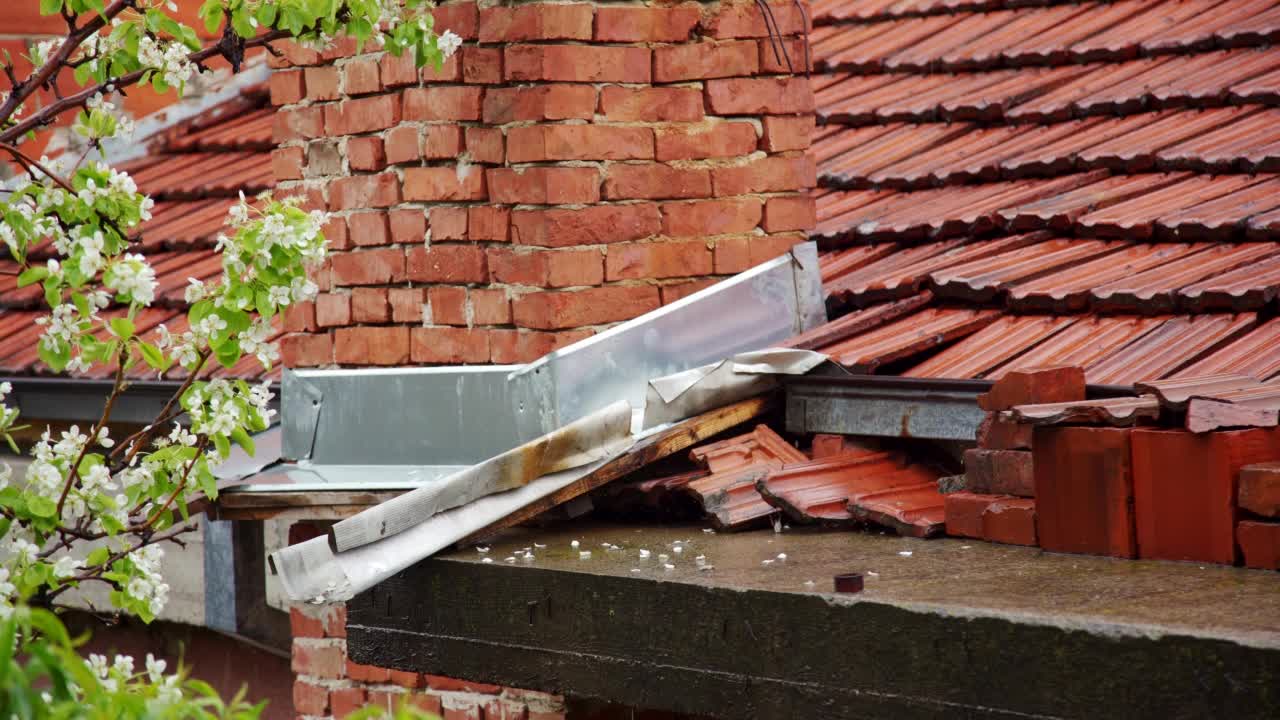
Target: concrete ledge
<point>952,629</point>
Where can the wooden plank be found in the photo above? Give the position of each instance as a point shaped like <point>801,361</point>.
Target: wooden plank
<point>649,450</point>
<point>308,505</point>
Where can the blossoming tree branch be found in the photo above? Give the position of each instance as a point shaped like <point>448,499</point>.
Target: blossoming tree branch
<point>124,497</point>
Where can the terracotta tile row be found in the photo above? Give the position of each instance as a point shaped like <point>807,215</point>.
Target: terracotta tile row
<point>833,11</point>
<point>919,156</point>
<point>1170,206</point>
<point>1057,34</point>
<point>1052,94</point>
<point>728,494</point>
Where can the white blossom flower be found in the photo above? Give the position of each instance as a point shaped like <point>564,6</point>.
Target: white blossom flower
<point>448,42</point>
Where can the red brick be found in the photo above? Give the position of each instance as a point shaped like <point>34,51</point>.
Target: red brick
<point>448,304</point>
<point>335,621</point>
<point>321,83</point>
<point>445,684</point>
<point>448,223</point>
<point>366,153</point>
<point>450,345</point>
<point>964,513</point>
<point>537,143</point>
<point>786,57</point>
<point>571,268</point>
<point>710,217</point>
<point>367,673</point>
<point>576,63</point>
<point>441,142</point>
<point>333,310</point>
<point>646,24</point>
<point>306,350</point>
<point>286,163</point>
<point>488,223</point>
<point>505,710</point>
<point>303,123</point>
<point>406,304</point>
<point>287,87</point>
<point>782,132</point>
<point>594,306</point>
<point>520,346</point>
<point>401,143</point>
<point>586,226</point>
<point>735,254</point>
<point>655,182</point>
<point>1260,489</point>
<point>294,54</point>
<point>310,699</point>
<point>364,191</point>
<point>544,185</point>
<point>718,139</point>
<point>442,103</point>
<point>482,65</point>
<point>679,291</point>
<point>997,434</point>
<point>541,102</point>
<point>408,225</point>
<point>389,700</point>
<point>772,174</point>
<point>798,212</point>
<point>368,228</point>
<point>371,267</point>
<point>371,345</point>
<point>318,659</point>
<point>658,260</point>
<point>434,184</point>
<point>744,19</point>
<point>369,305</point>
<point>361,77</point>
<point>536,21</point>
<point>323,158</point>
<point>1011,521</point>
<point>695,61</point>
<point>449,71</point>
<point>462,18</point>
<point>361,115</point>
<point>485,145</point>
<point>305,626</point>
<point>344,46</point>
<point>1184,488</point>
<point>1259,544</point>
<point>827,445</point>
<point>1033,386</point>
<point>651,104</point>
<point>760,96</point>
<point>426,703</point>
<point>345,701</point>
<point>489,307</point>
<point>1084,487</point>
<point>300,317</point>
<point>518,268</point>
<point>408,679</point>
<point>397,71</point>
<point>446,263</point>
<point>468,713</point>
<point>999,472</point>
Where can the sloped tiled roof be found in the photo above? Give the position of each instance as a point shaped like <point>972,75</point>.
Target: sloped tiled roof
<point>194,172</point>
<point>1091,183</point>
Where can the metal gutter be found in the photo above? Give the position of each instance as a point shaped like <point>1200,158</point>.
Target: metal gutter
<point>63,399</point>
<point>833,400</point>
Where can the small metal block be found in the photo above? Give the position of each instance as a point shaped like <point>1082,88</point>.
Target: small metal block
<point>848,583</point>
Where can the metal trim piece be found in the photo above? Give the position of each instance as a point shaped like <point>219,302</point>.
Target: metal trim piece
<point>64,399</point>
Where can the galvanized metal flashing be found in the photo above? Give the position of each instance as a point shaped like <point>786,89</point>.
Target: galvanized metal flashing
<point>402,427</point>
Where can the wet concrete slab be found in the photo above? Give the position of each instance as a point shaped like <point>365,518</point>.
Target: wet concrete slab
<point>942,627</point>
<point>955,576</point>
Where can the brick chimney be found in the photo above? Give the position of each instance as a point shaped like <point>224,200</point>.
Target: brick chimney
<point>573,166</point>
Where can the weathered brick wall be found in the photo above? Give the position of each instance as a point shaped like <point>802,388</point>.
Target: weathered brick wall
<point>328,685</point>
<point>575,165</point>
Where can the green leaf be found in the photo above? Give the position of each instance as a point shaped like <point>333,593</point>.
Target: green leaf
<point>122,327</point>
<point>222,444</point>
<point>49,7</point>
<point>41,506</point>
<point>32,275</point>
<point>243,440</point>
<point>97,556</point>
<point>153,357</point>
<point>211,13</point>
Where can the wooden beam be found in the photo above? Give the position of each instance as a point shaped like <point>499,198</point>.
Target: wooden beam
<point>649,450</point>
<point>309,505</point>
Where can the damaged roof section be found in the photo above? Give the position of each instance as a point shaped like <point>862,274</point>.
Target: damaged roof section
<point>1011,187</point>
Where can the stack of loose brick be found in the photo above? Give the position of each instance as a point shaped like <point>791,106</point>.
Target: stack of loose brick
<point>998,502</point>
<point>574,165</point>
<point>328,685</point>
<point>1258,531</point>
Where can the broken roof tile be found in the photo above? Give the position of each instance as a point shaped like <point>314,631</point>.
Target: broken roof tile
<point>1119,412</point>
<point>914,510</point>
<point>818,491</point>
<point>1174,393</point>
